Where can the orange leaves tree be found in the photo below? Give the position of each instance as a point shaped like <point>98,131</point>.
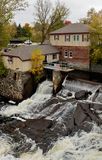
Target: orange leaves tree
<point>37,64</point>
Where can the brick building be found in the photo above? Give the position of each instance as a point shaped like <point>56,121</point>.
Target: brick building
<point>73,43</point>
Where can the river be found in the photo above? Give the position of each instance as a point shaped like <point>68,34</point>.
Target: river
<point>79,146</point>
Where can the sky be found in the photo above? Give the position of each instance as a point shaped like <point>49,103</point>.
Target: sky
<point>78,9</point>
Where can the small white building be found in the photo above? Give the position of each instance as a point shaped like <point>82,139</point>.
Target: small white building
<point>20,58</point>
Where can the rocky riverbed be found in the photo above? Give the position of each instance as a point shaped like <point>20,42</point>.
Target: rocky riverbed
<point>45,119</point>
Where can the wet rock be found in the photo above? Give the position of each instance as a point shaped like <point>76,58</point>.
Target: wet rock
<point>36,129</point>
<point>81,95</point>
<point>16,86</point>
<point>69,94</point>
<point>87,112</point>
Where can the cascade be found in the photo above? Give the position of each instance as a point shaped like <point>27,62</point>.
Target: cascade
<point>81,145</point>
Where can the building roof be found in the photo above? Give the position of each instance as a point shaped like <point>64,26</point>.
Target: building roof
<point>24,52</point>
<point>72,28</point>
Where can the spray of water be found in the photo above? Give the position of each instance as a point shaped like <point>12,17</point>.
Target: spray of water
<point>24,109</point>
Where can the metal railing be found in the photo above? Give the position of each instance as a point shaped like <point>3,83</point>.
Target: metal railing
<point>58,66</point>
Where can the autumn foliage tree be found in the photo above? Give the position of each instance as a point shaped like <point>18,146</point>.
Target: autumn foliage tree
<point>96,37</point>
<point>7,9</point>
<point>37,63</point>
<point>94,20</point>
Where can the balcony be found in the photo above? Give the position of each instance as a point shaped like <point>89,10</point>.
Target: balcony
<point>58,66</point>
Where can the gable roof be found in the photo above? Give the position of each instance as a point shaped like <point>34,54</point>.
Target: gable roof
<point>72,28</point>
<point>24,52</point>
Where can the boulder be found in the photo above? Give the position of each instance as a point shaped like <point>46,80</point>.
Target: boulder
<point>16,86</point>
<point>69,94</point>
<point>82,95</point>
<point>87,112</point>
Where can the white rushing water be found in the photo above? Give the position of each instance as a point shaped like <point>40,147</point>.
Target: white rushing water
<point>81,146</point>
<point>43,93</point>
<point>80,85</point>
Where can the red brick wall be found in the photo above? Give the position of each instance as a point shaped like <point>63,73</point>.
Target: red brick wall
<point>80,55</point>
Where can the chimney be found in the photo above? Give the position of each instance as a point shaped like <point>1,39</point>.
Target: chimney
<point>66,22</point>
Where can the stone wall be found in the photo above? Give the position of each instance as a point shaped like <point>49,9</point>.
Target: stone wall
<point>13,86</point>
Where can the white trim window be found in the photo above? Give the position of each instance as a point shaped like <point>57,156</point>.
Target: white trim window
<point>70,54</point>
<point>67,37</point>
<point>56,37</point>
<point>76,37</point>
<point>85,37</point>
<point>66,53</point>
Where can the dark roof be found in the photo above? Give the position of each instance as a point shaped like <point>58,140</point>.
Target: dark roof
<point>72,28</point>
<point>24,52</point>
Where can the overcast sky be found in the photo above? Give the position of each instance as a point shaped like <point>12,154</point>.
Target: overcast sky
<point>78,9</point>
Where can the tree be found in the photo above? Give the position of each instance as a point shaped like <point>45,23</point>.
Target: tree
<point>96,37</point>
<point>94,20</point>
<point>3,70</point>
<point>7,9</point>
<point>27,30</point>
<point>13,30</point>
<point>48,17</point>
<point>87,19</point>
<point>37,63</point>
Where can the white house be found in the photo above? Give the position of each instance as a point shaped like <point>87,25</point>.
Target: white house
<point>20,58</point>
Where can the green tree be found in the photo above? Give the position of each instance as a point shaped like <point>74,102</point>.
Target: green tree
<point>96,37</point>
<point>94,20</point>
<point>27,30</point>
<point>3,70</point>
<point>7,9</point>
<point>48,17</point>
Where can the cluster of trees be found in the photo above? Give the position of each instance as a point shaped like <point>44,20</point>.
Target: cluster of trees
<point>94,20</point>
<point>20,32</point>
<point>7,8</point>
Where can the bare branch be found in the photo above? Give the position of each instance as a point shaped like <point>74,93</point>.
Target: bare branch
<point>49,17</point>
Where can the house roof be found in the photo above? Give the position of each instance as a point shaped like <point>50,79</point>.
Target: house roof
<point>24,52</point>
<point>72,28</point>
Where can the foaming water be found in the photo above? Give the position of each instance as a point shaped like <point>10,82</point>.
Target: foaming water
<point>79,85</point>
<point>43,93</point>
<point>5,145</point>
<point>82,145</point>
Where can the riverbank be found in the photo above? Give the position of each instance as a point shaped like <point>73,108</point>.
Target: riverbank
<point>16,86</point>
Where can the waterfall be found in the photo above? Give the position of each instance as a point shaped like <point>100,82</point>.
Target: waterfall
<point>82,145</point>
<point>86,146</point>
<point>24,109</point>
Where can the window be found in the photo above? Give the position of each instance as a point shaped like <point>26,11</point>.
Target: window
<point>77,37</point>
<point>70,54</point>
<point>54,56</point>
<point>65,53</point>
<point>85,37</point>
<point>56,37</point>
<point>88,37</point>
<point>10,60</point>
<point>74,37</point>
<point>67,37</point>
